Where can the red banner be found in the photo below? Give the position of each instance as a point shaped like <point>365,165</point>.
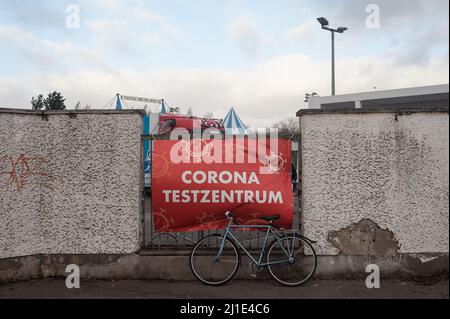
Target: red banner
<point>195,182</point>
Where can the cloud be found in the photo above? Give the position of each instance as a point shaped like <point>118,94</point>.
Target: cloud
<point>411,31</point>
<point>36,14</point>
<point>148,15</point>
<point>109,34</point>
<point>47,54</point>
<point>110,51</point>
<point>141,27</point>
<point>420,46</point>
<point>14,94</point>
<point>244,33</point>
<point>271,91</point>
<point>105,4</point>
<point>393,14</point>
<point>416,27</point>
<point>298,33</point>
<point>110,37</point>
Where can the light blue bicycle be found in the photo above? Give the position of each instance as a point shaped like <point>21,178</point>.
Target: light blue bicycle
<point>290,257</point>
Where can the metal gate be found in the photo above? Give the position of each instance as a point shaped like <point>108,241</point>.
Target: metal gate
<point>185,240</point>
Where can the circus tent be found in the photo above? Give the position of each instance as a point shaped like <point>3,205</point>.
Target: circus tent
<point>233,123</point>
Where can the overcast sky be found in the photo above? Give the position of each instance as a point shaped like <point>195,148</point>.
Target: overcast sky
<point>260,57</point>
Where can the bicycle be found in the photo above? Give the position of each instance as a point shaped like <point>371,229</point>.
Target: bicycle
<point>290,257</point>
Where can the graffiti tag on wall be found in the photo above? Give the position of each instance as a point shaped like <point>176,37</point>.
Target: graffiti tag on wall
<point>22,170</point>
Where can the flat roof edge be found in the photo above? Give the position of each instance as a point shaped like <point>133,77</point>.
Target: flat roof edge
<point>69,112</point>
<point>398,92</point>
<point>372,110</point>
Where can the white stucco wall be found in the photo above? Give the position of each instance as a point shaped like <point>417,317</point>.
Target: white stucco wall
<point>395,172</point>
<point>70,185</point>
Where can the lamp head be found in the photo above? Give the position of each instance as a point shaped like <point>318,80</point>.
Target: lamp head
<point>341,29</point>
<point>323,22</point>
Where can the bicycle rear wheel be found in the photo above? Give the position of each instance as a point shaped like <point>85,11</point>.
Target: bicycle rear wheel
<point>210,268</point>
<point>297,268</point>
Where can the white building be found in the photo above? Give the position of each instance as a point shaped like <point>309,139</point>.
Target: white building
<point>415,97</point>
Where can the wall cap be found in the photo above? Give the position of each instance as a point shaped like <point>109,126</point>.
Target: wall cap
<point>69,112</point>
<point>302,112</point>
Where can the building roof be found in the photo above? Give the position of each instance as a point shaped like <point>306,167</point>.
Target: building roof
<point>436,96</point>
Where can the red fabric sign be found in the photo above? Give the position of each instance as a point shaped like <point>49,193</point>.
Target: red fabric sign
<point>194,183</point>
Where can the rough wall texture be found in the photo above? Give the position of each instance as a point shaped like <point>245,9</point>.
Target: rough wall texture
<point>70,183</point>
<point>387,168</point>
<point>173,267</point>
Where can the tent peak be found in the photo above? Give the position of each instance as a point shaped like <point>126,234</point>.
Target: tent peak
<point>232,121</point>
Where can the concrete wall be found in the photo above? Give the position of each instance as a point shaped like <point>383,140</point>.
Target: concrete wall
<point>174,266</point>
<point>70,183</point>
<point>376,183</point>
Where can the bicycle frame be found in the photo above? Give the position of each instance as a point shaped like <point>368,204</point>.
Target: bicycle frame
<point>258,263</point>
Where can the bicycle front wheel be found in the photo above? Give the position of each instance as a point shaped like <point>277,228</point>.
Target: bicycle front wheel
<point>211,268</point>
<point>292,260</point>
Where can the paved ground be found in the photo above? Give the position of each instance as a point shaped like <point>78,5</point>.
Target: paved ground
<point>238,289</point>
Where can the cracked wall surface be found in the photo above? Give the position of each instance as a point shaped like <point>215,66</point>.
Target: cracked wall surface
<point>393,170</point>
<point>70,183</point>
<point>364,238</point>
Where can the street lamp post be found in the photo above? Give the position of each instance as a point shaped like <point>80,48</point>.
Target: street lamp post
<point>333,71</point>
<point>325,26</point>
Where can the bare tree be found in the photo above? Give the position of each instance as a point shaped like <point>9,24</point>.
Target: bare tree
<point>209,116</point>
<point>38,103</point>
<point>289,127</point>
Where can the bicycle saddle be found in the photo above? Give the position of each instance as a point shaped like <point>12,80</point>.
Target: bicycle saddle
<point>270,218</point>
